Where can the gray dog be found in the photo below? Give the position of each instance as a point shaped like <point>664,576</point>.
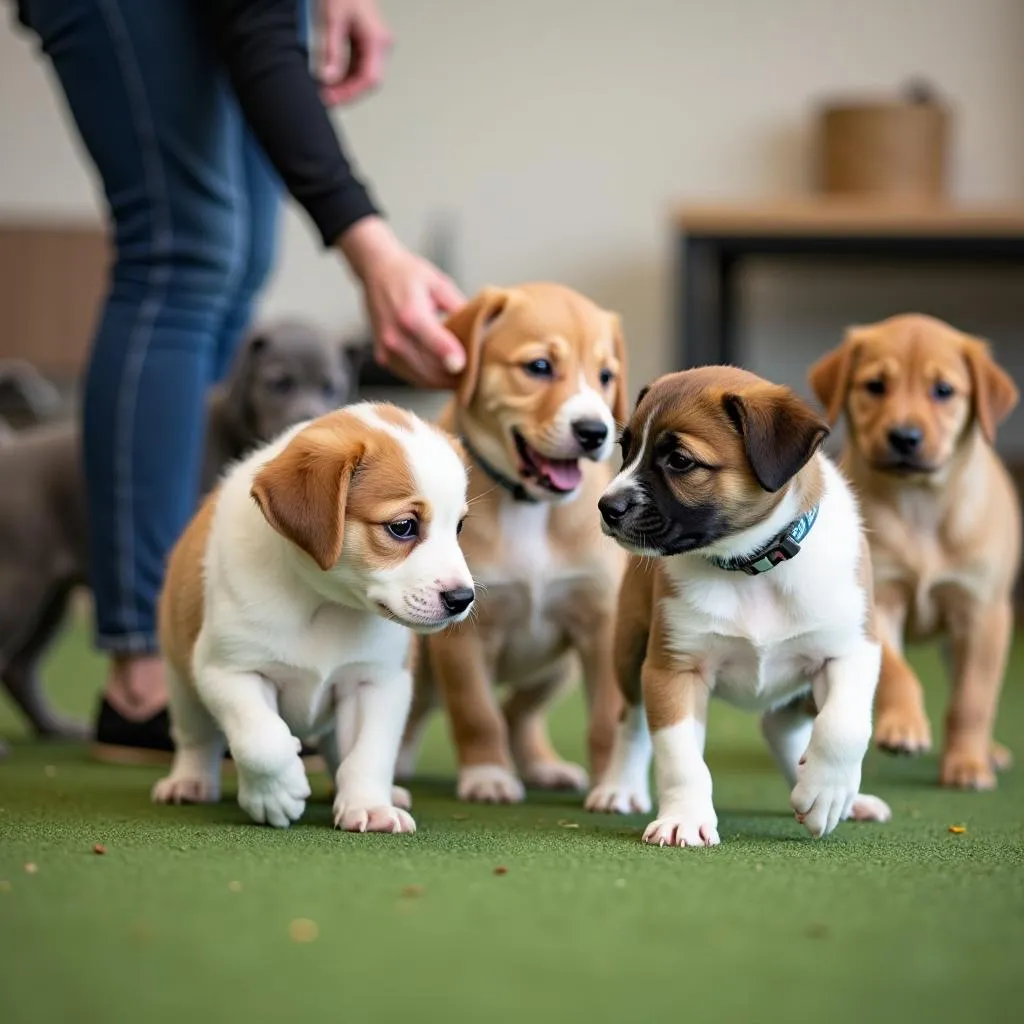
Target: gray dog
<point>286,373</point>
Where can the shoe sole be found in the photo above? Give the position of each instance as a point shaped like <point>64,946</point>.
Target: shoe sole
<point>108,753</point>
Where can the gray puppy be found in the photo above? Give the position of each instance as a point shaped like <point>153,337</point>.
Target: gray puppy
<point>286,372</point>
<point>26,396</point>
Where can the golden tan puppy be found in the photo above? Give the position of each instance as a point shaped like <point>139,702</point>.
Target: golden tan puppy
<point>543,388</point>
<point>749,581</point>
<point>922,401</point>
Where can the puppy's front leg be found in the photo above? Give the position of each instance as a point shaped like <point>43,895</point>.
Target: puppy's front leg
<point>828,774</point>
<point>604,698</point>
<point>478,726</point>
<point>374,716</point>
<point>677,707</point>
<point>788,732</point>
<point>901,724</point>
<point>272,783</point>
<point>336,744</point>
<point>981,643</point>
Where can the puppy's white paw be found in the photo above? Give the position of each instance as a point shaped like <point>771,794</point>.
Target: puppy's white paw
<point>401,797</point>
<point>276,800</point>
<point>870,808</point>
<point>355,816</point>
<point>179,788</point>
<point>489,784</point>
<point>556,775</point>
<point>683,828</point>
<point>824,793</point>
<point>619,797</point>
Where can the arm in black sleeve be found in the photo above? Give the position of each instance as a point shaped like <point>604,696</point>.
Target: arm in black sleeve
<point>258,40</point>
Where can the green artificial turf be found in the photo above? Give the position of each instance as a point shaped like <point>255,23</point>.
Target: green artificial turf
<point>187,916</point>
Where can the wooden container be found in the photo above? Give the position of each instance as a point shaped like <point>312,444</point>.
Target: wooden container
<point>880,149</point>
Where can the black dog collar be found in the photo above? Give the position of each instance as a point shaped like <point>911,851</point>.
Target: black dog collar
<point>514,487</point>
<point>781,549</point>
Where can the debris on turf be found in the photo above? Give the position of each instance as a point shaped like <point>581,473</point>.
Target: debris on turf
<point>234,886</point>
<point>5,886</point>
<point>957,830</point>
<point>565,823</point>
<point>620,883</point>
<point>759,866</point>
<point>30,868</point>
<point>411,892</point>
<point>99,849</point>
<point>50,771</point>
<point>303,930</point>
<point>816,930</point>
<point>501,870</point>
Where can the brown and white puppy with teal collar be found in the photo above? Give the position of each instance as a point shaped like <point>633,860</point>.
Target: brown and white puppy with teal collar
<point>537,409</point>
<point>749,580</point>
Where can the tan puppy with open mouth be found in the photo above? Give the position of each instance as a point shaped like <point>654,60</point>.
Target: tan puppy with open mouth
<point>288,609</point>
<point>536,410</point>
<point>922,401</point>
<point>750,581</point>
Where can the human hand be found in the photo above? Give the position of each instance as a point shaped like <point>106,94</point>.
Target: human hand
<point>354,41</point>
<point>404,295</point>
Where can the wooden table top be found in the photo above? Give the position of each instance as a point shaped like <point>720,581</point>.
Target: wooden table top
<point>840,217</point>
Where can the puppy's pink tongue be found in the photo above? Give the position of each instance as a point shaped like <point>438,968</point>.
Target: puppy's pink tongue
<point>564,474</point>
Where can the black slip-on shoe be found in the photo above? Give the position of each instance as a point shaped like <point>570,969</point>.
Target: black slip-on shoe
<point>121,740</point>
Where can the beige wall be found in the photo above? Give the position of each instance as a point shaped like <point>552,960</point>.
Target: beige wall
<point>557,133</point>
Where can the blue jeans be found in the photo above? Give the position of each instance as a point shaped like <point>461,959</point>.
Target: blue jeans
<point>193,206</point>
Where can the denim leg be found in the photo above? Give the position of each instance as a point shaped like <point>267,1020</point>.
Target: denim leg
<point>157,117</point>
<point>262,191</point>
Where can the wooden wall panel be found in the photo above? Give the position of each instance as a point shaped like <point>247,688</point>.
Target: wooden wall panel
<point>52,278</point>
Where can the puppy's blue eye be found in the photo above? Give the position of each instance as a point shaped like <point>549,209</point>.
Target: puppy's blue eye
<point>404,529</point>
<point>942,391</point>
<point>606,377</point>
<point>539,368</point>
<point>875,387</point>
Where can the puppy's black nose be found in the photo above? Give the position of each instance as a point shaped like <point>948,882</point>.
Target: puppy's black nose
<point>905,440</point>
<point>613,507</point>
<point>591,434</point>
<point>458,600</point>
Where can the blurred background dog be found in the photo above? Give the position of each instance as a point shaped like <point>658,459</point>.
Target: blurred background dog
<point>285,373</point>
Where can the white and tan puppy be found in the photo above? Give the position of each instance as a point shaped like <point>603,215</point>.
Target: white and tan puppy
<point>750,581</point>
<point>288,607</point>
<point>537,410</point>
<point>922,402</point>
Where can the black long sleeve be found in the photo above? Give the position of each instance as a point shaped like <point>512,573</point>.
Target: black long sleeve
<point>258,40</point>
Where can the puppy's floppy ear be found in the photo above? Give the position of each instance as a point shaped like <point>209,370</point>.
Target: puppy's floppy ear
<point>620,404</point>
<point>234,392</point>
<point>780,432</point>
<point>829,377</point>
<point>302,492</point>
<point>469,324</point>
<point>995,394</point>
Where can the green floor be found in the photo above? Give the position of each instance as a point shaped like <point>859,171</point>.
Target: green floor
<point>188,915</point>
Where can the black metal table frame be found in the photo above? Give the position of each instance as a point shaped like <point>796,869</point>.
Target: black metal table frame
<point>707,295</point>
